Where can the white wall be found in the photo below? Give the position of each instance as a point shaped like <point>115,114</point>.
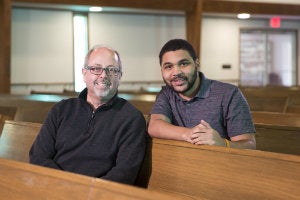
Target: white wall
<point>220,45</point>
<point>42,46</point>
<point>138,38</point>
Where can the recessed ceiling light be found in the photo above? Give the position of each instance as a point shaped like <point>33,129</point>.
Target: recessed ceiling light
<point>243,16</point>
<point>95,9</point>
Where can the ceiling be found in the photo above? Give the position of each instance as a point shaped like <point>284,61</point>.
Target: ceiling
<point>81,8</point>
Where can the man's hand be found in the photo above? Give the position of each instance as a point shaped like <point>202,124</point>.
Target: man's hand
<point>203,133</point>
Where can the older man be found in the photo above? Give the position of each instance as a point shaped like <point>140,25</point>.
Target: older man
<point>97,134</point>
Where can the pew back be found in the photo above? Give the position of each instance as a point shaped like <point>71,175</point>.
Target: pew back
<point>223,173</point>
<point>206,172</point>
<point>24,181</point>
<point>281,120</point>
<point>17,138</point>
<point>277,132</point>
<point>293,105</point>
<point>273,99</point>
<point>30,108</point>
<point>8,111</point>
<point>3,118</point>
<point>35,107</point>
<point>271,103</point>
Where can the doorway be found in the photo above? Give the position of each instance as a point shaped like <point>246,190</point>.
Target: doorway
<point>268,57</point>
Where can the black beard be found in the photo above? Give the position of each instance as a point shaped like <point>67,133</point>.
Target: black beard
<point>181,76</point>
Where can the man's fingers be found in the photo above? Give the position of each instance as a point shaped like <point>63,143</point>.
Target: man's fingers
<point>204,123</point>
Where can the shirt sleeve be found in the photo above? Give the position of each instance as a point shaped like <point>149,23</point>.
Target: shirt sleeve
<point>42,151</point>
<point>238,116</point>
<point>162,104</point>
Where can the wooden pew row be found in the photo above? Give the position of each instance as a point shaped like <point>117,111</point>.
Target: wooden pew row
<point>277,132</point>
<point>258,101</point>
<point>273,99</point>
<point>216,172</point>
<point>273,103</point>
<point>277,119</point>
<point>30,108</point>
<point>16,139</point>
<point>34,108</point>
<point>208,172</point>
<point>24,181</point>
<point>270,103</point>
<point>270,90</point>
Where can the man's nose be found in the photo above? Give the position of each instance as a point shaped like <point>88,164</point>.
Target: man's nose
<point>176,70</point>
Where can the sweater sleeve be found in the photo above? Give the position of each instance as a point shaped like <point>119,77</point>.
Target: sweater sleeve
<point>131,152</point>
<point>42,151</point>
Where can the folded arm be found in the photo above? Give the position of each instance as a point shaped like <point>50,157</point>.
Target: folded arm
<point>160,127</point>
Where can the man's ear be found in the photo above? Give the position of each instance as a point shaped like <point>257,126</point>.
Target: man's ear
<point>83,71</point>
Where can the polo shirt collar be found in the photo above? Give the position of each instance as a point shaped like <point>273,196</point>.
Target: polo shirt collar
<point>204,87</point>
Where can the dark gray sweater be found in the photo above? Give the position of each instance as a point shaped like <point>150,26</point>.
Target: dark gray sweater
<point>107,143</point>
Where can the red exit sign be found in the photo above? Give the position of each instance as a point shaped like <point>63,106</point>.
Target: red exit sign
<point>275,22</point>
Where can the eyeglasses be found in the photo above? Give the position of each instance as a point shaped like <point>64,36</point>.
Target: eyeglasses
<point>109,70</point>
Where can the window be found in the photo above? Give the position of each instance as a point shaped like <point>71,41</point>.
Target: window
<point>80,48</point>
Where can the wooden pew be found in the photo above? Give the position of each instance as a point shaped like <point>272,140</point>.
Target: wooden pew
<point>277,132</point>
<point>263,102</point>
<point>276,119</point>
<point>8,111</point>
<point>212,172</point>
<point>24,181</point>
<point>271,90</point>
<point>223,173</point>
<point>2,121</point>
<point>30,108</point>
<point>293,104</point>
<point>35,107</point>
<point>273,99</point>
<point>144,106</point>
<point>17,138</point>
<point>143,102</point>
<point>270,99</point>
